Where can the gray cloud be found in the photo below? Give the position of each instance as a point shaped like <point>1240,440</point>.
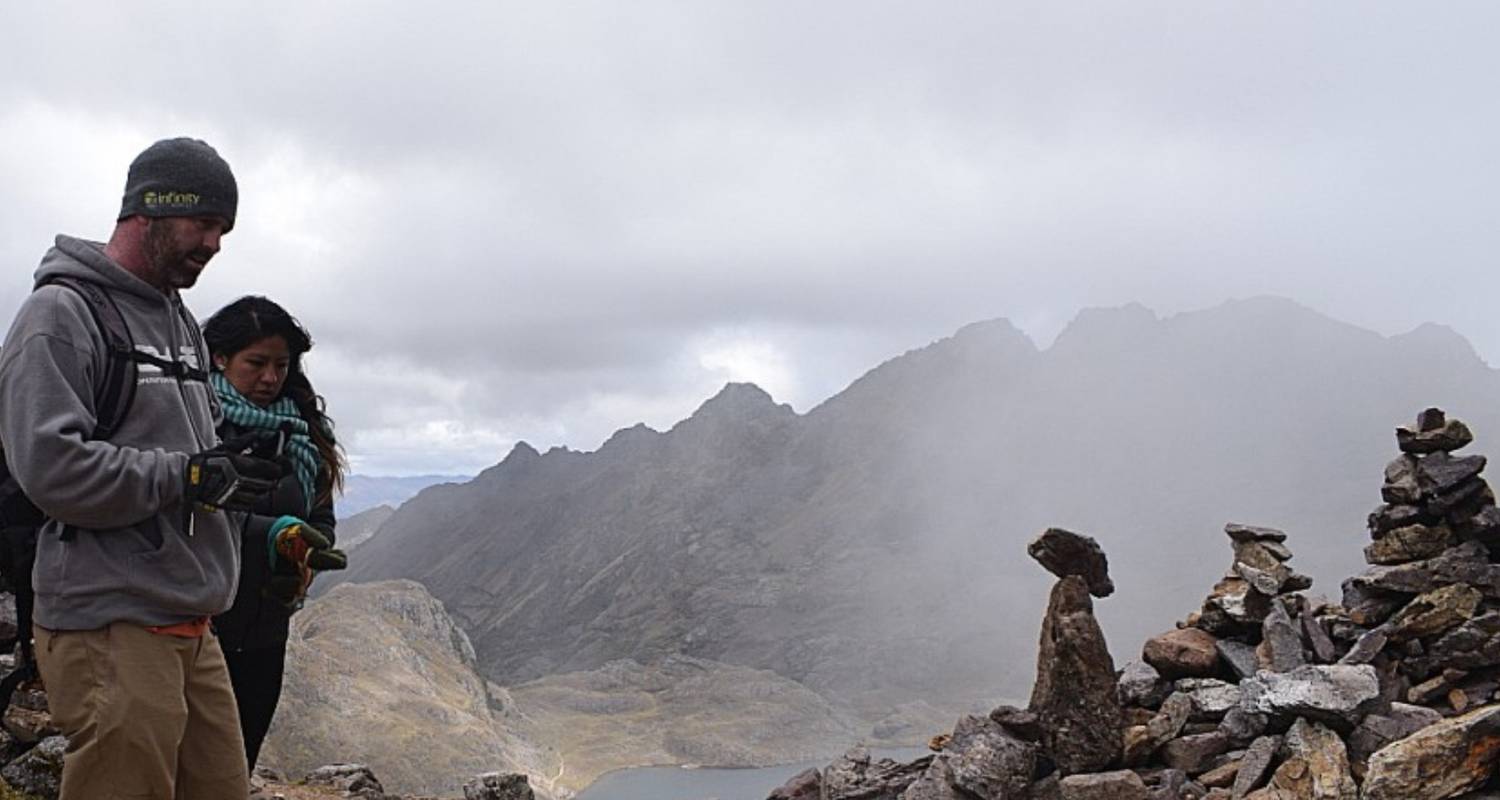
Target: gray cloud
<point>513,221</point>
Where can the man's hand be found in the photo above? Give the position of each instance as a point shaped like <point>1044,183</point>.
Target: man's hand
<point>225,478</point>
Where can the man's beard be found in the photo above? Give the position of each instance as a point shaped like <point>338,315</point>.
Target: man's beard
<point>168,259</point>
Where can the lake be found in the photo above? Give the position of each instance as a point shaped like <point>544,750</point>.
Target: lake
<point>676,783</point>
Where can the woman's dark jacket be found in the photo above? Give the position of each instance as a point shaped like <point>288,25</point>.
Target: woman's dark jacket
<point>258,619</point>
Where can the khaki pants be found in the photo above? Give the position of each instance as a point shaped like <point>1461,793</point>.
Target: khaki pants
<point>146,715</point>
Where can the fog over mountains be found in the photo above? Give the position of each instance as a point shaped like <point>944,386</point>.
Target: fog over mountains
<point>872,549</point>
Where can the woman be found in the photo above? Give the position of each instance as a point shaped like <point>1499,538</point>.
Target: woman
<point>256,352</point>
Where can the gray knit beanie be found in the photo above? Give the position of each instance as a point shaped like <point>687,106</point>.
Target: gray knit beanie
<point>180,178</point>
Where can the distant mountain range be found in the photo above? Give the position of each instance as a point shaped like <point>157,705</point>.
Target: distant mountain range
<point>872,549</point>
<point>363,492</point>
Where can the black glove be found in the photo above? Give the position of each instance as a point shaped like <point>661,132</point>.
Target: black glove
<point>229,477</point>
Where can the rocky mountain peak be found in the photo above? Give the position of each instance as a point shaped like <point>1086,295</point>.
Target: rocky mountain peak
<point>740,402</point>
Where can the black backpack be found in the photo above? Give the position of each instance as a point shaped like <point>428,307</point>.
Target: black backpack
<point>20,519</point>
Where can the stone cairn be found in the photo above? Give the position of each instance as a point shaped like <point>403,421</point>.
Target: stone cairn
<point>1263,693</point>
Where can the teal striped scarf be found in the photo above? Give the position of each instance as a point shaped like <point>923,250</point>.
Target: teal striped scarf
<point>283,412</point>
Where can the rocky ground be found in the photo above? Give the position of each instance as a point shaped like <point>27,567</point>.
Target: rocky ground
<point>1264,693</point>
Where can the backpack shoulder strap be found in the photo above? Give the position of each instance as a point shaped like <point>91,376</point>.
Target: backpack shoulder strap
<point>115,394</point>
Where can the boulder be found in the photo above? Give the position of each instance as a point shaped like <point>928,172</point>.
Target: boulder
<point>1442,760</point>
<point>1337,694</point>
<point>1183,653</point>
<point>501,786</point>
<point>854,776</point>
<point>1243,727</point>
<point>1255,766</point>
<point>805,785</point>
<point>1120,785</point>
<point>1211,698</point>
<point>1141,685</point>
<point>1239,656</point>
<point>39,771</point>
<point>1064,553</point>
<point>985,761</point>
<point>1316,766</point>
<point>1075,693</point>
<point>354,780</point>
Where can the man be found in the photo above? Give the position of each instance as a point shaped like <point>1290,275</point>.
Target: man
<point>138,551</point>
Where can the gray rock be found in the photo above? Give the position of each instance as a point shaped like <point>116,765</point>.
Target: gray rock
<point>1075,692</point>
<point>1401,487</point>
<point>1338,694</point>
<point>1366,648</point>
<point>1439,761</point>
<point>503,786</point>
<point>1120,785</point>
<point>1282,640</point>
<point>1064,553</point>
<point>1211,698</point>
<point>1194,754</point>
<point>1242,727</point>
<point>1378,730</point>
<point>1389,517</point>
<point>805,785</point>
<point>1239,656</point>
<point>1481,526</point>
<point>1141,741</point>
<point>39,771</point>
<point>355,780</point>
<point>935,783</point>
<point>1441,473</point>
<point>1265,581</point>
<point>854,776</point>
<point>1318,639</point>
<point>1141,685</point>
<point>986,762</point>
<point>1018,722</point>
<point>1466,563</point>
<point>1316,766</point>
<point>1251,533</point>
<point>1451,435</point>
<point>1255,767</point>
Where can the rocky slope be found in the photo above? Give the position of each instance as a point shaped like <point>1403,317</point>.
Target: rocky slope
<point>379,675</point>
<point>360,528</point>
<point>865,549</point>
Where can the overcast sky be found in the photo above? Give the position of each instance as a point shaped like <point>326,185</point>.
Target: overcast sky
<point>550,220</point>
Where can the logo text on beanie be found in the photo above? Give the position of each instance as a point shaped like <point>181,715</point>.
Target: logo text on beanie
<point>156,200</point>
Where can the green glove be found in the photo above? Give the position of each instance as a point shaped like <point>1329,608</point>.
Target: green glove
<point>302,544</point>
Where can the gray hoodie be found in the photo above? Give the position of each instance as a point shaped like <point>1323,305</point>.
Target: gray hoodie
<point>130,559</point>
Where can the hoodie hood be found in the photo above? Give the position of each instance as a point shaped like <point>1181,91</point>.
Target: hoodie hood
<point>80,258</point>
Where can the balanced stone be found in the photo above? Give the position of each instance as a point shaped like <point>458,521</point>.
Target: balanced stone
<point>1446,437</point>
<point>1467,563</point>
<point>1390,517</point>
<point>1440,473</point>
<point>1282,640</point>
<point>1064,553</point>
<point>1251,533</point>
<point>1401,486</point>
<point>1075,693</point>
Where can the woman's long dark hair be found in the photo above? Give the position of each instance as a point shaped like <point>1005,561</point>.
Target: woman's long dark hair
<point>250,319</point>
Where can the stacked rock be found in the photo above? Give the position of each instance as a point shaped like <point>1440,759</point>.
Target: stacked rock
<point>1263,693</point>
<point>1245,685</point>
